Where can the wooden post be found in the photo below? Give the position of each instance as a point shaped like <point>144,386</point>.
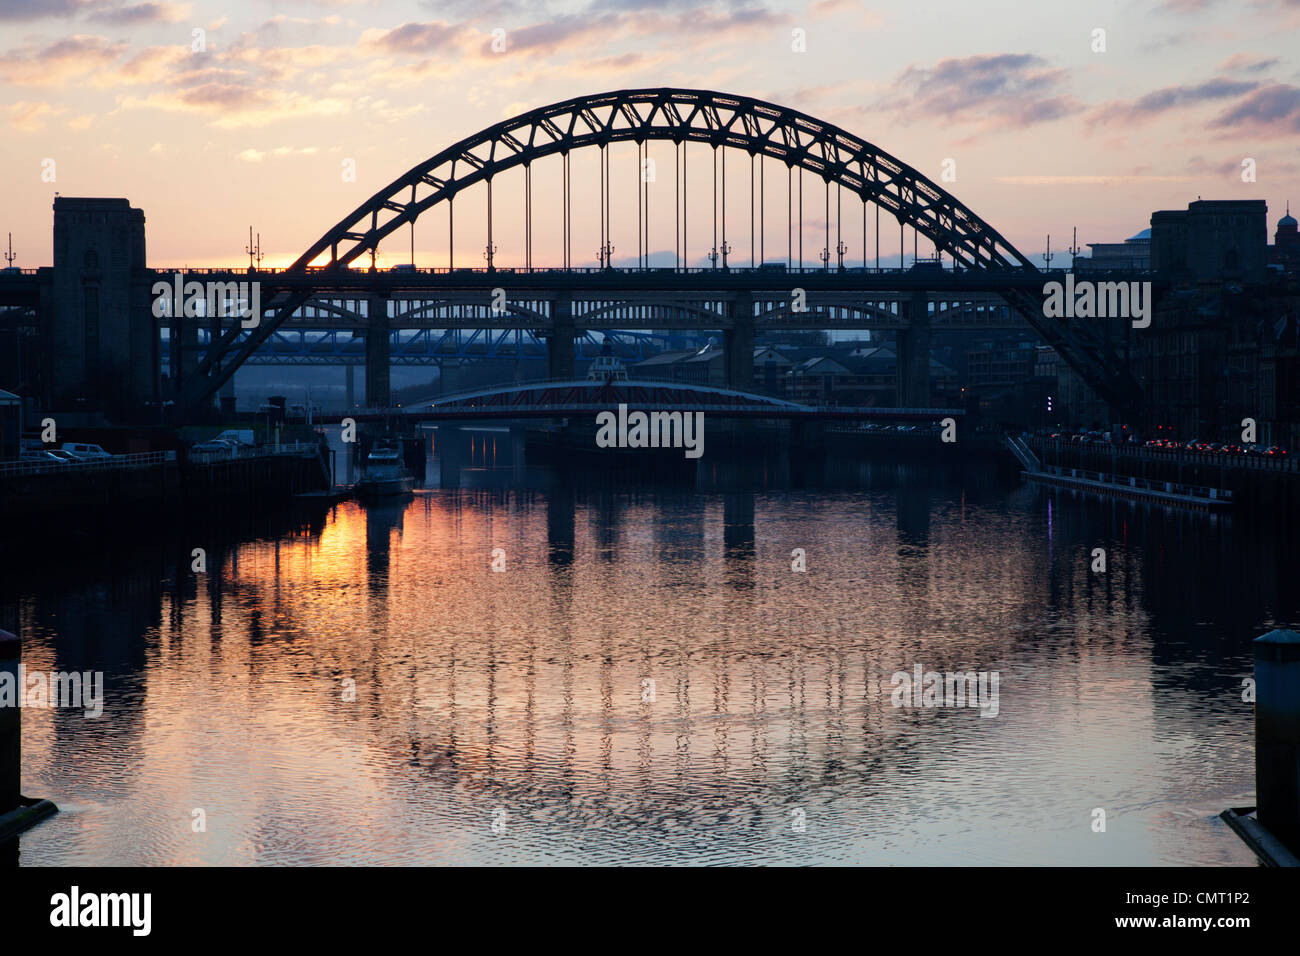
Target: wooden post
<point>1277,735</point>
<point>10,723</point>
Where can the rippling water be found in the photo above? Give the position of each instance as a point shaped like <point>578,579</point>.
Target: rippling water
<point>508,717</point>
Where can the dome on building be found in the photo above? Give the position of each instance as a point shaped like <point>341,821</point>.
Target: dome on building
<point>1287,220</point>
<point>1142,236</point>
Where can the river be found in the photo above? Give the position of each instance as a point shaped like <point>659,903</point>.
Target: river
<point>650,678</point>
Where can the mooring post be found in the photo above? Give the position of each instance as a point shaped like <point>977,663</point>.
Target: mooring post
<point>11,731</point>
<point>1277,735</point>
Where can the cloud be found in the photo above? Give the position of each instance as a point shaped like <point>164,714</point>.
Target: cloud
<point>30,117</point>
<point>39,9</point>
<point>830,8</point>
<point>140,13</point>
<point>1201,167</point>
<point>1169,98</point>
<point>236,106</point>
<point>417,38</point>
<point>152,65</point>
<point>563,34</point>
<point>60,62</point>
<point>574,35</point>
<point>1103,180</point>
<point>112,12</point>
<point>251,155</point>
<point>1269,111</point>
<point>1245,63</point>
<point>1013,89</point>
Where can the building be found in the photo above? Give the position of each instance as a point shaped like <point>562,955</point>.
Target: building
<point>1212,240</point>
<point>821,380</point>
<point>100,339</point>
<point>1134,254</point>
<point>11,425</point>
<point>770,367</point>
<point>997,364</point>
<point>1284,254</point>
<point>707,366</point>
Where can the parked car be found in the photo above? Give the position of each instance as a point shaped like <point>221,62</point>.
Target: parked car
<point>84,452</point>
<point>213,447</point>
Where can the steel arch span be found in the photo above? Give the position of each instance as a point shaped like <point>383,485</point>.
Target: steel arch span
<point>700,116</point>
<point>681,116</point>
<point>570,397</point>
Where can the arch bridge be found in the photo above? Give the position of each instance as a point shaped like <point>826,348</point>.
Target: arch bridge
<point>678,124</point>
<point>580,397</point>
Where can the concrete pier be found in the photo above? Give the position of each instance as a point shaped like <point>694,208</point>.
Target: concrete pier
<point>10,723</point>
<point>738,342</point>
<point>1277,735</point>
<point>378,393</point>
<point>913,368</point>
<point>559,344</point>
<point>17,813</point>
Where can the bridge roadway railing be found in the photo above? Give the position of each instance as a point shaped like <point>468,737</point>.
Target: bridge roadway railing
<point>532,383</point>
<point>770,269</point>
<point>755,411</point>
<point>550,409</point>
<point>1285,463</point>
<point>538,270</point>
<point>14,469</point>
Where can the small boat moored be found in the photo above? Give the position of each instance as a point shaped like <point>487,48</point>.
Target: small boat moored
<point>385,473</point>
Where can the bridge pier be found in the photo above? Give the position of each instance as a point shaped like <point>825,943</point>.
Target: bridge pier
<point>378,392</point>
<point>559,343</point>
<point>738,342</point>
<point>913,369</point>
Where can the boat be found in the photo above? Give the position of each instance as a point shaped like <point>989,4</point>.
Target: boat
<point>605,367</point>
<point>385,473</point>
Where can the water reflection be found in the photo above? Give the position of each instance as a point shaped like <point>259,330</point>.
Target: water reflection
<point>650,681</point>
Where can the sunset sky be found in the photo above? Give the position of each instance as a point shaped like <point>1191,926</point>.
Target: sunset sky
<point>1046,133</point>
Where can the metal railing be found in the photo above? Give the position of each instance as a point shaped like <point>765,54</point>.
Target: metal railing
<point>140,460</point>
<point>1023,454</point>
<point>246,452</point>
<point>1140,484</point>
<point>1258,462</point>
<point>145,459</point>
<point>771,268</point>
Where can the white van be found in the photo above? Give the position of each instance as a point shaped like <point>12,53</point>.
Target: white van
<point>84,452</point>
